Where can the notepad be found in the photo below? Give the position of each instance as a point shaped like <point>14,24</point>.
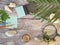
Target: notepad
<point>12,22</point>
<point>20,11</point>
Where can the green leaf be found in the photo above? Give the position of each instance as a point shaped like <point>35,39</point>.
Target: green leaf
<point>4,15</point>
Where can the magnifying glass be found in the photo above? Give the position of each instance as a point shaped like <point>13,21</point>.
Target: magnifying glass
<point>50,30</point>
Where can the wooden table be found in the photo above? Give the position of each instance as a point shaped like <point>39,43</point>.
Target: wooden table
<point>28,25</point>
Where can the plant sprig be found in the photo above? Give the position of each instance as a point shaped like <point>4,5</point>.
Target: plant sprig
<point>44,8</point>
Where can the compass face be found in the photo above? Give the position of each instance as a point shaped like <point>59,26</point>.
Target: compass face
<point>26,38</point>
<point>49,30</point>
